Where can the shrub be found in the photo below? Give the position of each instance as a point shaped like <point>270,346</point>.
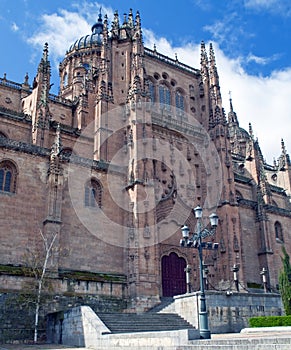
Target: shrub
<point>270,321</point>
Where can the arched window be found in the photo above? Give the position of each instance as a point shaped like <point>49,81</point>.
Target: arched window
<point>93,194</point>
<point>7,177</point>
<point>238,195</point>
<point>165,97</point>
<point>179,103</point>
<point>65,79</point>
<point>66,153</point>
<point>279,232</point>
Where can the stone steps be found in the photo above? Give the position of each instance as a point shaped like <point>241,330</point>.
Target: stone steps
<point>262,343</point>
<point>145,322</point>
<point>165,302</point>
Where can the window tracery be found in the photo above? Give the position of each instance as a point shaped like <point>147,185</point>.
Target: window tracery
<point>93,194</point>
<point>8,175</point>
<point>165,97</point>
<point>279,232</point>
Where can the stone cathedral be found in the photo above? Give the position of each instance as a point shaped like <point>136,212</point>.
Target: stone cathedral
<point>102,176</point>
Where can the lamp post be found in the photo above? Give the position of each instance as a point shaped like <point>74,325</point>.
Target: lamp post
<point>196,242</point>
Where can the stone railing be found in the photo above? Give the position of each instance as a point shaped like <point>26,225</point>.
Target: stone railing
<point>11,84</point>
<point>172,62</point>
<point>59,99</point>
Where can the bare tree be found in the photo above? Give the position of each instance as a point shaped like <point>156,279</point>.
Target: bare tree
<point>36,266</point>
<point>48,245</point>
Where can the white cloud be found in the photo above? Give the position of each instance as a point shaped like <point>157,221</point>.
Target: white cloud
<point>261,60</point>
<point>281,7</point>
<point>263,101</point>
<point>260,3</point>
<point>60,31</point>
<point>14,27</point>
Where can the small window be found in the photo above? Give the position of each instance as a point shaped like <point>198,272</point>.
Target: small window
<point>279,232</point>
<point>7,177</point>
<point>93,194</point>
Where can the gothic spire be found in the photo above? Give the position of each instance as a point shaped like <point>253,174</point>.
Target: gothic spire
<point>232,117</point>
<point>137,27</point>
<point>284,159</point>
<point>115,24</point>
<point>105,30</point>
<point>251,131</point>
<point>130,19</point>
<point>204,62</point>
<point>57,145</point>
<point>214,79</point>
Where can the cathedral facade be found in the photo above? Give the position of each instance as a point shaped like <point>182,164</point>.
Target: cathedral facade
<point>108,171</point>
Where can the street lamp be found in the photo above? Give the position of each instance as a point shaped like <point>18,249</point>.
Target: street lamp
<point>196,242</point>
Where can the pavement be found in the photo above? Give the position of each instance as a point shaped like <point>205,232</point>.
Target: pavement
<point>247,333</point>
<point>37,347</point>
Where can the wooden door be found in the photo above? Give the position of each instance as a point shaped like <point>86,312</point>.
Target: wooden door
<point>173,275</point>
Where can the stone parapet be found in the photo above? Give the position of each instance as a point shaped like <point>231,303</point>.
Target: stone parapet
<point>228,312</point>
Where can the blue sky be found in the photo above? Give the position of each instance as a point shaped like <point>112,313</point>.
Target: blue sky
<point>251,40</point>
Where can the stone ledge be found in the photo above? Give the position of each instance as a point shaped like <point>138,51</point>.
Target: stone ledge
<point>278,329</point>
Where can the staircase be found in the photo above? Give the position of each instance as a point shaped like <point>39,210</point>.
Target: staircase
<point>145,322</point>
<point>166,305</point>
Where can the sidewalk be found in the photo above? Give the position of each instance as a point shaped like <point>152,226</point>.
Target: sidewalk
<point>247,333</point>
<point>37,347</point>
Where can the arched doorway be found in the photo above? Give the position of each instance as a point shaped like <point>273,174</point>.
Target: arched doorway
<point>173,275</point>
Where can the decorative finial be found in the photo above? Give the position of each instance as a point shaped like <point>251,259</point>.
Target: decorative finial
<point>211,54</point>
<point>204,59</point>
<point>137,20</point>
<point>251,130</point>
<point>130,19</point>
<point>230,101</point>
<point>283,146</point>
<point>124,19</point>
<point>115,23</point>
<point>26,79</point>
<point>45,52</point>
<point>97,28</point>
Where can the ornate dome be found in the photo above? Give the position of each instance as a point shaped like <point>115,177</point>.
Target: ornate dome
<point>90,40</point>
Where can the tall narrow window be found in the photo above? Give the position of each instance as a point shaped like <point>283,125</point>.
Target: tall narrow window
<point>179,103</point>
<point>93,194</point>
<point>65,79</point>
<point>279,232</point>
<point>7,177</point>
<point>165,97</point>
